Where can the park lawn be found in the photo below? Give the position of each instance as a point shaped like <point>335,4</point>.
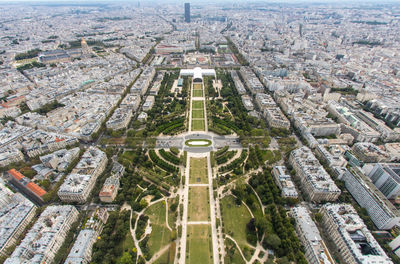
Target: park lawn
<point>198,170</point>
<point>197,93</point>
<point>168,256</point>
<point>198,125</point>
<point>117,141</point>
<point>197,104</point>
<point>198,113</point>
<point>197,86</point>
<point>235,220</point>
<point>199,207</point>
<point>163,259</point>
<point>271,156</point>
<point>128,243</point>
<point>160,235</point>
<point>199,244</point>
<point>235,257</point>
<point>128,154</point>
<point>171,215</point>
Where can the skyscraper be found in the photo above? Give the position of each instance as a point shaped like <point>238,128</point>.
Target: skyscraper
<point>187,12</point>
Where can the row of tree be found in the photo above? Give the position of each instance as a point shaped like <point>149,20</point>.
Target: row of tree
<point>161,163</point>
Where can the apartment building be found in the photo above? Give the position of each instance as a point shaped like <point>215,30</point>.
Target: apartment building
<point>315,249</point>
<point>78,185</point>
<point>284,182</point>
<point>46,237</point>
<point>16,212</point>
<point>316,182</point>
<point>382,212</point>
<point>350,235</point>
<point>386,177</point>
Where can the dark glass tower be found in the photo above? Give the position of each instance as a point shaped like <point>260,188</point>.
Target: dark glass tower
<point>187,12</point>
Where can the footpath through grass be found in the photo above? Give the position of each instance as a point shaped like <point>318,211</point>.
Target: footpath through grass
<point>235,219</point>
<point>160,235</point>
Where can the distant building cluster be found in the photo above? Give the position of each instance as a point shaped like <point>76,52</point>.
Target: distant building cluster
<point>17,139</point>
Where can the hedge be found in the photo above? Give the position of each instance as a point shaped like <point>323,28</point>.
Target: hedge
<point>169,157</point>
<point>225,157</point>
<point>234,163</point>
<point>161,163</point>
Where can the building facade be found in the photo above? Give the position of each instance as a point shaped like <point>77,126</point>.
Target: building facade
<point>350,235</point>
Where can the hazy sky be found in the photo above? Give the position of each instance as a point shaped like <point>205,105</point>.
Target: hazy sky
<point>200,1</point>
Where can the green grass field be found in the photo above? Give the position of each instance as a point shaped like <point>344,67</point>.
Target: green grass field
<point>197,104</point>
<point>199,245</point>
<point>160,235</point>
<point>198,170</point>
<point>198,125</point>
<point>235,258</point>
<point>197,93</point>
<point>197,113</point>
<point>199,207</point>
<point>171,215</point>
<point>197,86</point>
<point>168,257</point>
<point>128,243</point>
<point>235,220</point>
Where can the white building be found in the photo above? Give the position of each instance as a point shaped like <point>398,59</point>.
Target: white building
<point>78,185</point>
<point>197,73</point>
<point>350,235</point>
<point>284,182</point>
<point>316,182</point>
<point>382,212</point>
<point>45,238</point>
<point>16,212</point>
<point>316,251</point>
<point>120,119</point>
<point>386,178</point>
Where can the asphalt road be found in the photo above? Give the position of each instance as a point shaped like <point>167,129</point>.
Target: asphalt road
<point>217,142</point>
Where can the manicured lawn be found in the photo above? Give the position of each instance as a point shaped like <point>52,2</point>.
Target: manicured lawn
<point>198,113</point>
<point>199,245</point>
<point>197,86</point>
<point>235,220</point>
<point>199,207</point>
<point>198,104</point>
<point>160,234</point>
<point>197,93</point>
<point>198,170</point>
<point>198,125</point>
